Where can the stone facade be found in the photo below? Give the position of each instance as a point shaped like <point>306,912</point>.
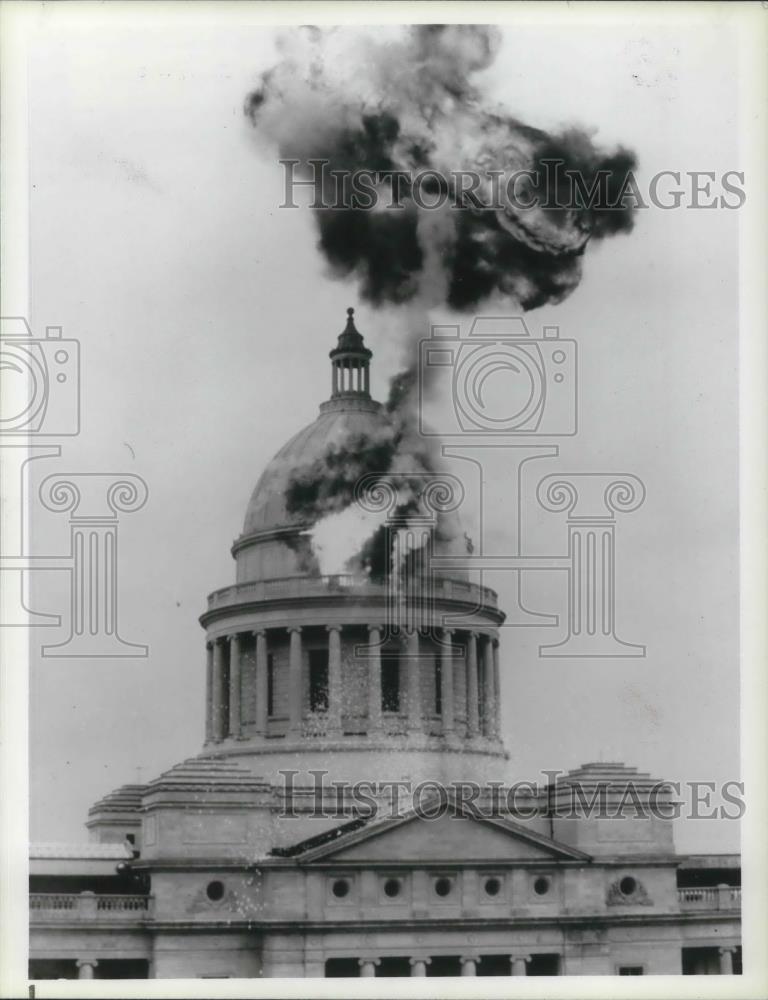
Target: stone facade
<point>222,866</point>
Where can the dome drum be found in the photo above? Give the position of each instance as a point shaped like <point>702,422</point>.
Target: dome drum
<point>307,687</point>
<point>300,660</point>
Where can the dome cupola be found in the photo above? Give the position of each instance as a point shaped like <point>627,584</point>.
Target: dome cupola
<point>350,363</point>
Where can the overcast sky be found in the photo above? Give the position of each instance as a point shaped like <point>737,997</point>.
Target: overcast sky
<point>205,316</point>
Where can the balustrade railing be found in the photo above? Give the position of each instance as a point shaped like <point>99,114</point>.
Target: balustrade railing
<point>344,583</point>
<point>52,901</point>
<point>725,897</point>
<point>122,903</point>
<point>86,906</point>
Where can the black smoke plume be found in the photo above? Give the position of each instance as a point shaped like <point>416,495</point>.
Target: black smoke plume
<point>407,104</point>
<point>407,101</point>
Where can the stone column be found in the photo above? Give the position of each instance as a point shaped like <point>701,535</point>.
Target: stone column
<point>368,967</point>
<point>208,692</point>
<point>473,724</point>
<point>419,966</point>
<point>414,681</point>
<point>234,685</point>
<point>219,691</point>
<point>86,968</point>
<point>726,961</point>
<point>294,682</point>
<point>519,963</point>
<point>446,681</point>
<point>334,680</point>
<point>374,678</point>
<point>261,682</point>
<point>497,689</point>
<point>469,966</point>
<point>489,693</point>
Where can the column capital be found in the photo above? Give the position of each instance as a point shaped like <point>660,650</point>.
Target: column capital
<point>448,631</point>
<point>375,628</point>
<point>294,628</point>
<point>424,961</point>
<point>465,959</point>
<point>520,958</point>
<point>332,628</point>
<point>258,632</point>
<point>93,962</point>
<point>728,948</point>
<point>231,636</point>
<point>369,961</point>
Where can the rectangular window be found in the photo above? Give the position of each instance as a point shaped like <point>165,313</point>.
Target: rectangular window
<point>494,965</point>
<point>270,684</point>
<point>390,684</point>
<point>318,680</point>
<point>547,964</point>
<point>630,970</point>
<point>342,968</point>
<point>703,961</point>
<point>438,685</point>
<point>392,966</point>
<point>444,965</point>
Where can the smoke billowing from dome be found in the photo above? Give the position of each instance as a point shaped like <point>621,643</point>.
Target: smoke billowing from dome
<point>406,101</point>
<point>323,491</point>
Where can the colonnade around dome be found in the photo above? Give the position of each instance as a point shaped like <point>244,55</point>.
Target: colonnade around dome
<point>347,682</point>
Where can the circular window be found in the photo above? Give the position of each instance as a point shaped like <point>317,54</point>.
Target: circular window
<point>340,888</point>
<point>215,891</point>
<point>392,887</point>
<point>627,885</point>
<point>443,887</point>
<point>541,886</point>
<point>492,886</point>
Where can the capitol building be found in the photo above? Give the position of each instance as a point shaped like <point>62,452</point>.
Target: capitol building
<point>244,861</point>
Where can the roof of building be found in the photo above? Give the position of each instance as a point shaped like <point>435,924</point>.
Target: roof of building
<point>117,851</point>
<point>127,798</point>
<point>605,772</point>
<point>208,772</point>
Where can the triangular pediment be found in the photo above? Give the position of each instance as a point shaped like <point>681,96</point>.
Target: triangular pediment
<point>452,837</point>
